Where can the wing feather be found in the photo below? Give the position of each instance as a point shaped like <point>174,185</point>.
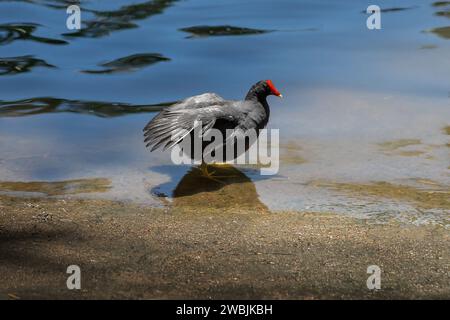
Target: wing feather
<point>174,123</point>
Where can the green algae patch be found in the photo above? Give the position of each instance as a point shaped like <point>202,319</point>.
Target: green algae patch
<point>396,147</point>
<point>428,46</point>
<point>412,153</point>
<point>57,188</point>
<point>443,7</point>
<point>446,130</point>
<point>291,153</point>
<point>397,144</point>
<point>443,32</point>
<point>441,3</point>
<point>428,182</point>
<point>437,197</point>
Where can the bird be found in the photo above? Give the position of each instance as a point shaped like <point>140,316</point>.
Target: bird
<point>175,122</point>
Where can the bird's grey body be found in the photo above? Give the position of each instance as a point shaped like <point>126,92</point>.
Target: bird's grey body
<point>170,126</point>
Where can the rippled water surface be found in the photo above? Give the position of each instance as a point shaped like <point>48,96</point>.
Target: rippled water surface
<point>364,126</point>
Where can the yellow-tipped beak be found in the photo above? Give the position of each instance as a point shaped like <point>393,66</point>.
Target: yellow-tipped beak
<point>280,95</point>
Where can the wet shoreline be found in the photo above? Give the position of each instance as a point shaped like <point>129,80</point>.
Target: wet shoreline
<point>128,251</point>
<point>419,201</point>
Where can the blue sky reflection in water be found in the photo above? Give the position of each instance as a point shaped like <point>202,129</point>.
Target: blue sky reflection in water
<point>360,106</point>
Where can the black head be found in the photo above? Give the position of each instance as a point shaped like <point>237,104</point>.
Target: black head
<point>262,89</point>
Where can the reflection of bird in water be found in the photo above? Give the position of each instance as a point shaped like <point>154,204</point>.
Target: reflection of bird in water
<point>234,190</point>
<point>174,123</point>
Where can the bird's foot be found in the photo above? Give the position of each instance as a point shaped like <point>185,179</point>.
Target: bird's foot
<point>211,174</point>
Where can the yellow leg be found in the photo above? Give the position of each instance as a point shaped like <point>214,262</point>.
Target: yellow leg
<point>204,170</point>
<point>210,174</point>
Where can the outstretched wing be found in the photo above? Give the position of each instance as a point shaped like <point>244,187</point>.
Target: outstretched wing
<point>172,124</point>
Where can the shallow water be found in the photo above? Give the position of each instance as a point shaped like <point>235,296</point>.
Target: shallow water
<point>362,109</point>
